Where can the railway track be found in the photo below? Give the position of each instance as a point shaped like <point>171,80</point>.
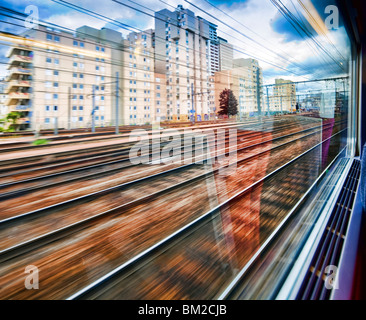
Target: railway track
<point>10,171</point>
<point>81,153</point>
<point>84,138</point>
<point>20,187</point>
<point>199,256</point>
<point>118,172</point>
<point>24,249</point>
<point>101,130</point>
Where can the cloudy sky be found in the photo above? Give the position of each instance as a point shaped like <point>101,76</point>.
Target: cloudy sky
<point>256,28</point>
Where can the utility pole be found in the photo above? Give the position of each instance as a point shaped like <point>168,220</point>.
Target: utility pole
<point>55,129</point>
<point>93,110</point>
<point>258,95</point>
<point>117,97</point>
<point>281,103</point>
<point>68,108</point>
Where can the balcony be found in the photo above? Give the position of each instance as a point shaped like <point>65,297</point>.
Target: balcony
<point>14,96</point>
<point>24,120</point>
<point>17,59</point>
<point>17,83</point>
<point>18,49</point>
<point>20,108</point>
<point>19,70</point>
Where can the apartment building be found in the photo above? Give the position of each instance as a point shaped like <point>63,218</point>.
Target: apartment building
<point>138,83</point>
<point>69,79</point>
<point>182,52</point>
<point>214,56</point>
<point>245,79</point>
<point>283,98</point>
<point>160,97</point>
<point>72,76</point>
<point>18,82</point>
<point>226,54</point>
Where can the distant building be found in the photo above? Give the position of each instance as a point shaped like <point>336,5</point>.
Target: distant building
<point>19,82</point>
<point>226,54</point>
<point>214,51</point>
<point>245,79</point>
<point>160,97</point>
<point>62,68</point>
<point>182,50</point>
<point>284,96</point>
<point>138,78</point>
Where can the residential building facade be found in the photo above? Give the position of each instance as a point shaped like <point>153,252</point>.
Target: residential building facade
<point>245,79</point>
<point>284,96</point>
<point>182,53</point>
<point>71,76</point>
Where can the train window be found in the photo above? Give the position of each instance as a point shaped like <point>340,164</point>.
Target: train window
<point>217,191</point>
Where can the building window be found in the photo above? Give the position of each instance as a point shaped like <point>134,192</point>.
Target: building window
<point>55,108</point>
<point>47,120</point>
<point>80,119</point>
<point>75,43</point>
<point>55,73</point>
<point>74,108</point>
<point>49,37</point>
<point>48,60</point>
<point>57,38</point>
<point>56,61</point>
<point>55,96</point>
<point>81,108</point>
<point>47,108</point>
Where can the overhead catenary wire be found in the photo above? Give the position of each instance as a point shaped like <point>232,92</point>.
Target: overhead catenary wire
<point>295,22</point>
<point>155,58</point>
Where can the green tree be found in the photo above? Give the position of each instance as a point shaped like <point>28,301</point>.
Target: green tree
<point>228,103</point>
<point>13,116</point>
